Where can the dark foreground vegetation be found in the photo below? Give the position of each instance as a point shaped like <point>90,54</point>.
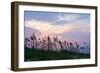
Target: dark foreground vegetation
<point>41,55</point>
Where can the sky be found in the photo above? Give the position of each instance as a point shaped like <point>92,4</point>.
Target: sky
<point>67,26</point>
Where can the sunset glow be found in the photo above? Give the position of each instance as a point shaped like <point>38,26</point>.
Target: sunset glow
<point>67,26</point>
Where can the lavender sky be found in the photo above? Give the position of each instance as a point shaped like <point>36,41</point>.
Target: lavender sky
<point>67,26</point>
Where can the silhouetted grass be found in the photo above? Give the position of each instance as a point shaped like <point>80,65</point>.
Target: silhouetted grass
<point>40,55</point>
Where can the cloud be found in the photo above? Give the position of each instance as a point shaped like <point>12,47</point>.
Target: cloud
<point>68,17</point>
<point>46,27</point>
<point>77,30</point>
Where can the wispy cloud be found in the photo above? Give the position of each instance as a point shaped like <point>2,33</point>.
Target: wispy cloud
<point>68,17</point>
<point>46,26</point>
